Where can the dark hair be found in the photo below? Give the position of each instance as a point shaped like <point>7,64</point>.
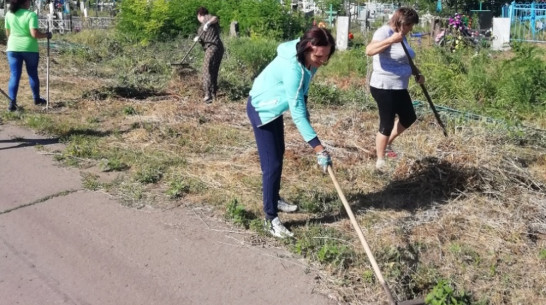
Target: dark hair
<point>15,5</point>
<point>403,15</point>
<point>202,11</point>
<point>317,37</point>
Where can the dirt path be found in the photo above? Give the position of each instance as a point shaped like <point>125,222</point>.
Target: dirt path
<point>61,244</point>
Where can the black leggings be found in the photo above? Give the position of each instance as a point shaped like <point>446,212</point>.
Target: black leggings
<point>392,102</point>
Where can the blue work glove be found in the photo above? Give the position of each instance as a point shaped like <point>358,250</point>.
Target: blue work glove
<point>323,160</point>
<point>49,35</point>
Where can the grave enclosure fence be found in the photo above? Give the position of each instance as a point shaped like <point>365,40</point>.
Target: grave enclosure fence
<point>75,24</point>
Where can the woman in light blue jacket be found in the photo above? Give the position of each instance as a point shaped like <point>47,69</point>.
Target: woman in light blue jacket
<point>283,86</point>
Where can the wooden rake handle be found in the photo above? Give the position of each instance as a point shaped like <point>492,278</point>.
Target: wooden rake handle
<point>415,72</point>
<point>187,53</point>
<point>361,236</point>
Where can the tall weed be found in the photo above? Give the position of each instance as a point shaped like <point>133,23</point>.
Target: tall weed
<point>247,57</point>
<point>522,80</point>
<point>347,63</point>
<point>511,89</point>
<point>3,38</point>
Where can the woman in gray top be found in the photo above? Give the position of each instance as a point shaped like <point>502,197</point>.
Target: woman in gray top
<point>390,78</point>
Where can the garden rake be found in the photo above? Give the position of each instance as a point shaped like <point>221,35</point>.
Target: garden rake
<point>182,63</point>
<point>367,248</point>
<point>5,94</point>
<point>415,72</point>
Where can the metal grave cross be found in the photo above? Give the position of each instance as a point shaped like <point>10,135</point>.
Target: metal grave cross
<point>331,14</point>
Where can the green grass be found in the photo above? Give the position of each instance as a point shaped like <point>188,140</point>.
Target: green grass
<point>324,245</point>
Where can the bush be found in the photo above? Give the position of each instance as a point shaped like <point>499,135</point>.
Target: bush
<point>512,88</point>
<point>162,20</point>
<point>268,18</point>
<point>146,20</point>
<point>251,55</point>
<point>522,80</point>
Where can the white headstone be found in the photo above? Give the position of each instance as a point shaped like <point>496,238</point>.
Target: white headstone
<point>342,33</point>
<point>501,34</point>
<point>234,29</point>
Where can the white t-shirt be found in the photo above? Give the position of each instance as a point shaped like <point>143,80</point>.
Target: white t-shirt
<point>391,68</point>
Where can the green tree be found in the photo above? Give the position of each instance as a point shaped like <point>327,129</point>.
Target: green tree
<point>149,20</point>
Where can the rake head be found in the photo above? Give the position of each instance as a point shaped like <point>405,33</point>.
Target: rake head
<point>418,301</point>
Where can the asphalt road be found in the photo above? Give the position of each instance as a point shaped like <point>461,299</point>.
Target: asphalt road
<point>61,244</point>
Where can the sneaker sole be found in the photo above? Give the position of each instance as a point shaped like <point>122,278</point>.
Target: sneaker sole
<point>288,210</point>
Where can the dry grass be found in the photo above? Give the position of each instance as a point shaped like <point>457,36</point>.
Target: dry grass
<point>470,207</point>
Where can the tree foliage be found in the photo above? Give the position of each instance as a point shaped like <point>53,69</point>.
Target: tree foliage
<point>449,7</point>
<point>160,20</point>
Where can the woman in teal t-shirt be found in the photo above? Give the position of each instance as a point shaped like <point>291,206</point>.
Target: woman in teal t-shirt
<point>23,34</point>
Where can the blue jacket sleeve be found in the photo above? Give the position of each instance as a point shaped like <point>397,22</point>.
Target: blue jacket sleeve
<point>296,83</point>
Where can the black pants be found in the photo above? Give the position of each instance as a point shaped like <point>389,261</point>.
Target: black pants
<point>390,103</point>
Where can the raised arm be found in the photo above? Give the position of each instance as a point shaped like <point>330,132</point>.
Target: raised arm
<point>213,20</point>
<point>376,47</point>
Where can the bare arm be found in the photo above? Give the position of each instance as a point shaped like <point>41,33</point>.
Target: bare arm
<point>37,34</point>
<point>376,47</point>
<point>213,20</point>
<point>7,33</point>
<point>318,148</point>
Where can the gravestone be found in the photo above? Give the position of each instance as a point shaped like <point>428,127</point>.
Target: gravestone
<point>234,29</point>
<point>364,21</point>
<point>342,33</point>
<point>485,18</point>
<point>501,34</point>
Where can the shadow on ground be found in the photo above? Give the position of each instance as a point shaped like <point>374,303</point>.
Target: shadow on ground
<point>130,92</point>
<point>22,142</point>
<point>429,182</point>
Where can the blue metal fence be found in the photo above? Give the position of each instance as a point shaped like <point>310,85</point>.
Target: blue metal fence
<point>528,21</point>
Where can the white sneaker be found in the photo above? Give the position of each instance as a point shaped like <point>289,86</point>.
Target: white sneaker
<point>286,207</point>
<point>380,164</point>
<point>277,229</point>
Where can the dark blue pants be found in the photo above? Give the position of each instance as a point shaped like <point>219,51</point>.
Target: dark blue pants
<point>16,60</point>
<point>270,141</point>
